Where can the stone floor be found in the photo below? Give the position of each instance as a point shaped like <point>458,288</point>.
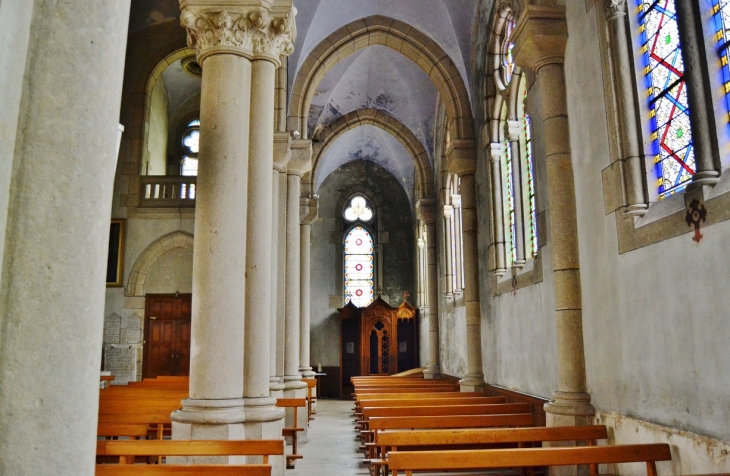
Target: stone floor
<point>331,449</point>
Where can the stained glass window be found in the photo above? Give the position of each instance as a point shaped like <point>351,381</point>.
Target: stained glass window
<point>530,167</point>
<point>721,20</point>
<point>510,202</point>
<point>358,210</point>
<point>667,93</point>
<point>508,62</point>
<point>359,284</point>
<point>191,147</point>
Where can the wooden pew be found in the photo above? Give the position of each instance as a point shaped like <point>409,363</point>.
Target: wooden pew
<point>426,402</point>
<point>292,432</point>
<point>181,470</point>
<point>413,396</point>
<point>409,461</point>
<point>441,410</point>
<point>473,438</point>
<point>311,384</point>
<point>127,450</point>
<point>127,430</point>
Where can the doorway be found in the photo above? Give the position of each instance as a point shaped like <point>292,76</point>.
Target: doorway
<point>167,335</point>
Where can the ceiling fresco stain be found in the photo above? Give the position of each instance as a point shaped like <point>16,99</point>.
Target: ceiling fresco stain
<point>145,13</point>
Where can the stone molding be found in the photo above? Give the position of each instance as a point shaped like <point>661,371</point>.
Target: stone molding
<point>301,157</point>
<point>282,150</point>
<point>143,264</point>
<point>426,210</point>
<point>615,9</point>
<point>540,37</point>
<point>461,157</point>
<point>252,32</point>
<point>308,210</point>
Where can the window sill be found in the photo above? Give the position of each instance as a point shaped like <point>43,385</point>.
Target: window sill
<point>518,278</point>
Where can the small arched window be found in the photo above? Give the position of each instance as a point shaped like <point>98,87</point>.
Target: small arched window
<point>190,148</point>
<point>359,267</point>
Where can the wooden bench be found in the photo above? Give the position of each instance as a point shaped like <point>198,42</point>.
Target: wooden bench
<point>311,385</point>
<point>426,402</point>
<point>441,410</point>
<point>117,430</point>
<point>473,438</point>
<point>292,432</point>
<point>183,470</point>
<point>413,396</point>
<point>409,461</point>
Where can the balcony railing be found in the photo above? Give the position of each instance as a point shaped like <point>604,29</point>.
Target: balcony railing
<point>164,191</point>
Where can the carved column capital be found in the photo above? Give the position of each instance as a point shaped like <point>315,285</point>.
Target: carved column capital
<point>512,130</point>
<point>308,210</point>
<point>456,200</point>
<point>461,157</point>
<point>426,210</point>
<point>495,152</point>
<point>282,150</point>
<point>301,157</point>
<point>540,37</point>
<point>253,32</point>
<point>448,211</point>
<point>615,9</point>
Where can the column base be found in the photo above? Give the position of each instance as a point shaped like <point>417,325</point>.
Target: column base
<point>296,389</point>
<point>568,409</point>
<point>264,421</point>
<point>473,383</point>
<point>432,372</point>
<point>570,404</point>
<point>306,372</point>
<point>208,420</point>
<point>276,387</point>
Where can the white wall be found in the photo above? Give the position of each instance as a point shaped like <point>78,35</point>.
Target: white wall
<point>158,130</point>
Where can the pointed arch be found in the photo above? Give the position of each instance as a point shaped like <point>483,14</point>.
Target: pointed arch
<point>143,264</point>
<point>399,36</point>
<point>388,123</point>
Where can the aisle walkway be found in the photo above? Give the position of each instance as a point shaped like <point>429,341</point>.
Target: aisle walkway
<point>331,449</point>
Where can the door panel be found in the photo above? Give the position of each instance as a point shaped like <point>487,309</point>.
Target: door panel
<point>167,335</point>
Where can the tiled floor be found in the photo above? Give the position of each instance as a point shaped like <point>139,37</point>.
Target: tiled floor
<point>331,449</point>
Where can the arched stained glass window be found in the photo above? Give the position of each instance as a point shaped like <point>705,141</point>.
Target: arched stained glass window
<point>530,189</point>
<point>508,61</point>
<point>191,148</point>
<point>509,204</point>
<point>669,109</point>
<point>359,267</point>
<point>721,20</point>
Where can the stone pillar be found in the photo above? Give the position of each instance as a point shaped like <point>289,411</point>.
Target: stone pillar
<point>308,215</point>
<point>57,232</point>
<point>495,159</point>
<point>281,278</point>
<point>281,158</point>
<point>448,215</point>
<point>540,39</point>
<point>223,38</point>
<point>512,131</point>
<point>701,115</point>
<point>263,419</point>
<point>426,208</point>
<point>630,147</point>
<point>461,160</point>
<point>457,221</point>
<point>299,164</point>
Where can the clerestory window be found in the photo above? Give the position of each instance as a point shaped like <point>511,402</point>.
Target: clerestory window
<point>190,148</point>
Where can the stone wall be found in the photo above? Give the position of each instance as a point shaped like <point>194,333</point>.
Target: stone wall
<point>398,260</point>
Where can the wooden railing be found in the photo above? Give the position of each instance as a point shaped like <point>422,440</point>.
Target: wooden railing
<point>167,191</point>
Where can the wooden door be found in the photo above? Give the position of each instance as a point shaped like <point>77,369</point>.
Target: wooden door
<point>167,335</point>
<point>379,355</point>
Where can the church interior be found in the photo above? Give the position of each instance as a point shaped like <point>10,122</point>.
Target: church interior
<point>526,198</point>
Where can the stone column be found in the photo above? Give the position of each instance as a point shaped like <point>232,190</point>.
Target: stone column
<point>308,215</point>
<point>457,221</point>
<point>224,40</point>
<point>495,159</point>
<point>57,232</point>
<point>512,131</point>
<point>540,39</point>
<point>630,147</point>
<point>299,164</point>
<point>448,214</point>
<point>461,160</point>
<point>707,169</point>
<point>426,208</point>
<point>263,418</point>
<point>281,278</point>
<point>281,158</point>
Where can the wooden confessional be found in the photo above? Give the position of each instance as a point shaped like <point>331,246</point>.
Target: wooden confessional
<point>377,340</point>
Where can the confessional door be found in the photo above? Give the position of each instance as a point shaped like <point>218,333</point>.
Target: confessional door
<point>167,335</point>
<point>379,345</point>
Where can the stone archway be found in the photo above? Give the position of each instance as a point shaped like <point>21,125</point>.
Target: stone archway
<point>136,281</point>
<point>383,120</point>
<point>399,36</point>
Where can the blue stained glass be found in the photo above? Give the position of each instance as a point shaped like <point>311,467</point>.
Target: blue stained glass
<point>721,22</point>
<point>359,267</point>
<point>666,90</point>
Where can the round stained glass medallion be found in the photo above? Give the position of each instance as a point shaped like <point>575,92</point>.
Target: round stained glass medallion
<point>358,210</point>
